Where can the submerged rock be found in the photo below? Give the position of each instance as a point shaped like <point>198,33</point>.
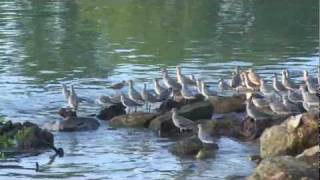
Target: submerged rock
<point>223,104</point>
<point>290,137</point>
<point>108,113</point>
<point>72,123</point>
<point>284,168</point>
<point>138,119</point>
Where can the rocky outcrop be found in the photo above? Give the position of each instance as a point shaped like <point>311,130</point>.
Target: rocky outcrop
<point>138,119</point>
<point>24,137</point>
<point>291,137</point>
<point>108,113</point>
<point>223,104</point>
<point>284,168</point>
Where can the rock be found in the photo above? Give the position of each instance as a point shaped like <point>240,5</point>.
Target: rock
<point>284,168</point>
<point>33,137</point>
<point>197,110</point>
<point>228,124</point>
<point>186,147</point>
<point>255,158</point>
<point>168,105</point>
<point>283,140</point>
<point>24,137</point>
<point>223,104</point>
<point>73,124</point>
<point>192,146</point>
<point>310,155</point>
<point>108,113</point>
<point>138,119</point>
<point>164,126</point>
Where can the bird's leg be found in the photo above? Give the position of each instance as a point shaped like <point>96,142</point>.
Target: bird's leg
<point>135,109</point>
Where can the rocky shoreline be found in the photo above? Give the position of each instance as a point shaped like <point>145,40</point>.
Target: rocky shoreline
<point>288,145</point>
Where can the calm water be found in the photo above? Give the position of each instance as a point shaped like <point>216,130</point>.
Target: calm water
<point>93,43</point>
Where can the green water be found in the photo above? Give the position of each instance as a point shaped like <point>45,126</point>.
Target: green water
<point>91,43</point>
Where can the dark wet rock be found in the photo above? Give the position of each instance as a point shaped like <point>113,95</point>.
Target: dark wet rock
<point>137,119</point>
<point>164,126</point>
<point>72,123</point>
<point>108,113</point>
<point>191,146</point>
<point>223,104</point>
<point>228,124</point>
<point>255,158</point>
<point>79,124</point>
<point>24,137</point>
<point>284,168</point>
<point>291,137</point>
<point>168,105</point>
<point>235,177</point>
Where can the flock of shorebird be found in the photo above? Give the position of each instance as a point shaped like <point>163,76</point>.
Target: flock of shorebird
<point>284,97</point>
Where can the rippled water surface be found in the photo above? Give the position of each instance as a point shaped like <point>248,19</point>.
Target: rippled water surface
<point>94,43</point>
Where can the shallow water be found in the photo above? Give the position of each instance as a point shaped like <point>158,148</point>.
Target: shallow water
<point>94,43</point>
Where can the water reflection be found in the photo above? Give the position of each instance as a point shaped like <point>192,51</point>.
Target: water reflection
<point>91,44</point>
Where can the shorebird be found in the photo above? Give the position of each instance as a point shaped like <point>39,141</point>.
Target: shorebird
<point>205,92</point>
<point>73,100</point>
<point>181,122</point>
<point>183,79</point>
<point>253,77</point>
<point>253,112</point>
<point>286,81</point>
<point>198,85</point>
<point>294,108</point>
<point>65,92</point>
<point>311,85</point>
<point>260,102</point>
<point>235,80</point>
<point>134,95</point>
<point>310,107</point>
<point>186,93</point>
<point>294,96</point>
<point>307,77</point>
<point>148,97</point>
<point>169,82</point>
<point>108,101</point>
<point>157,87</point>
<point>264,89</point>
<point>249,84</point>
<point>128,103</point>
<point>204,136</point>
<point>118,85</point>
<point>308,97</point>
<point>166,94</point>
<point>277,107</point>
<point>277,86</point>
<point>223,85</point>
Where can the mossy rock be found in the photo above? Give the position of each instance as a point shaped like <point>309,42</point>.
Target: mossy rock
<point>223,104</point>
<point>283,140</point>
<point>138,119</point>
<point>33,138</point>
<point>186,147</point>
<point>284,168</point>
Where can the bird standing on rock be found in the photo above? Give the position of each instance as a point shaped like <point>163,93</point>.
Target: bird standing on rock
<point>169,82</point>
<point>204,136</point>
<point>253,77</point>
<point>128,103</point>
<point>65,92</point>
<point>157,87</point>
<point>277,86</point>
<point>134,95</point>
<point>183,79</point>
<point>181,122</point>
